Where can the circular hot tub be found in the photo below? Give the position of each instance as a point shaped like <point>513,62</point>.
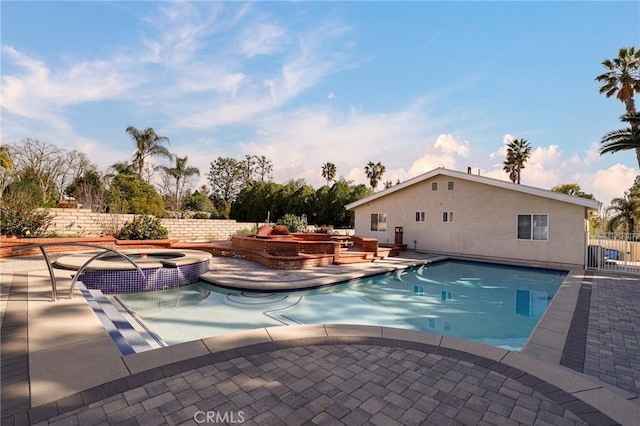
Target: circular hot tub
<point>162,269</point>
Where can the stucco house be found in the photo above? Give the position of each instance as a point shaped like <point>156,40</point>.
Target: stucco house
<point>451,212</point>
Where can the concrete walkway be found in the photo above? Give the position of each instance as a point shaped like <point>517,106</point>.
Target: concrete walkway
<point>59,366</point>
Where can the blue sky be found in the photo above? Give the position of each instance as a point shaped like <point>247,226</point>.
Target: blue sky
<point>414,85</point>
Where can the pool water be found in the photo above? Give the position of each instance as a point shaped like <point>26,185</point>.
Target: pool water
<point>493,304</point>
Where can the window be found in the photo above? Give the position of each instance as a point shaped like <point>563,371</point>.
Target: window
<point>450,186</point>
<point>379,222</point>
<point>434,186</point>
<point>420,216</point>
<point>533,227</point>
<point>447,216</point>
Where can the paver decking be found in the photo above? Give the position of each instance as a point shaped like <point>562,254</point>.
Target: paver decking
<point>612,345</point>
<point>337,384</point>
<point>343,375</point>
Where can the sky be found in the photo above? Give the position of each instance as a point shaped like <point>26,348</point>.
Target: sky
<point>413,85</point>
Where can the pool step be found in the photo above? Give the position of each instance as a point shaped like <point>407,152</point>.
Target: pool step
<point>127,339</point>
<point>348,257</point>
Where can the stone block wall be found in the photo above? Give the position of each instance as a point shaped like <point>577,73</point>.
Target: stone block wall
<point>85,223</point>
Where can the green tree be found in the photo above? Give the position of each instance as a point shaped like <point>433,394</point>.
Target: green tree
<point>256,201</point>
<point>227,178</point>
<point>572,189</point>
<point>180,172</point>
<point>88,190</point>
<point>624,211</point>
<point>634,191</point>
<point>5,158</point>
<point>263,169</point>
<point>622,80</point>
<point>330,201</point>
<point>623,139</point>
<point>49,167</point>
<point>148,144</point>
<point>329,172</point>
<point>130,194</point>
<point>374,173</point>
<point>518,152</point>
<point>199,201</point>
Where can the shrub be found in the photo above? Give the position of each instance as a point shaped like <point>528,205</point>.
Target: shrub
<point>22,218</point>
<point>324,229</point>
<point>130,194</point>
<point>201,215</point>
<point>294,223</point>
<point>143,227</point>
<point>247,231</point>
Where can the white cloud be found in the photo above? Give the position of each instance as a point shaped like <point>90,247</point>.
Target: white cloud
<point>431,161</point>
<point>502,151</point>
<point>606,184</point>
<point>38,92</point>
<point>331,95</point>
<point>449,143</point>
<point>262,39</point>
<point>299,142</point>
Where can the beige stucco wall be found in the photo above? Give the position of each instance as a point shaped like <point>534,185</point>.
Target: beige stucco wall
<point>485,222</point>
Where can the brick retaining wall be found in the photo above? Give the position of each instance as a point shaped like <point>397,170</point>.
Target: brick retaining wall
<point>85,223</point>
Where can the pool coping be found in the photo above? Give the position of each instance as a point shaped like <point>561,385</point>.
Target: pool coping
<point>109,369</point>
<point>77,260</point>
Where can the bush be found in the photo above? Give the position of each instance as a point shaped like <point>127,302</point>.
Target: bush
<point>130,194</point>
<point>247,231</point>
<point>23,218</point>
<point>143,227</point>
<point>324,229</point>
<point>294,223</point>
<point>201,215</point>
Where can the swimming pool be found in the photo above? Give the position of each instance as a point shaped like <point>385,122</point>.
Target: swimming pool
<point>493,304</point>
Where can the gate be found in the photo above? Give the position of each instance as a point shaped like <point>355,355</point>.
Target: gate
<point>614,251</point>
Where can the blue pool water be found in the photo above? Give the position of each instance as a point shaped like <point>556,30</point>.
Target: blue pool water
<point>493,304</point>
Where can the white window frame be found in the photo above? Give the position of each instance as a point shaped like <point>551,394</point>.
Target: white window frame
<point>420,216</point>
<point>434,186</point>
<point>379,228</point>
<point>447,217</point>
<point>534,236</point>
<point>450,185</point>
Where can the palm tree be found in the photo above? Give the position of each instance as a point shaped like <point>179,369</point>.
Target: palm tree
<point>510,169</point>
<point>329,172</point>
<point>180,172</point>
<point>623,139</point>
<point>121,168</point>
<point>148,143</point>
<point>622,79</point>
<point>625,210</point>
<point>518,152</point>
<point>374,173</point>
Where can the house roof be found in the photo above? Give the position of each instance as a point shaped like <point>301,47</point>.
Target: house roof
<point>441,171</point>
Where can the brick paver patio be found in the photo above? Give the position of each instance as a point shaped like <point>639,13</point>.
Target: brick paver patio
<point>333,384</point>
